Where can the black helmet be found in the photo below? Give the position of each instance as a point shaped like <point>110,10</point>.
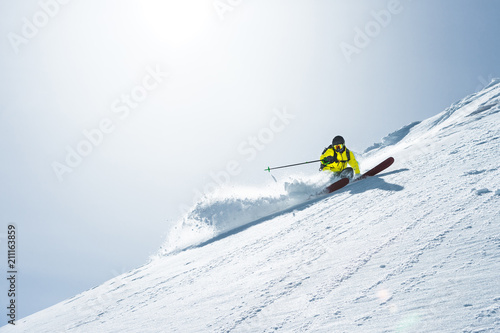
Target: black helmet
<point>338,140</point>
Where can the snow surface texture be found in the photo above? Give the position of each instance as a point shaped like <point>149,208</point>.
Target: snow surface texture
<point>414,249</point>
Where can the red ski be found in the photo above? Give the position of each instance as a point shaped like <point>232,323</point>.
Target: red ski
<point>380,167</point>
<point>337,185</point>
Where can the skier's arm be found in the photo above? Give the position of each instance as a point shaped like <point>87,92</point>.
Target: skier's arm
<point>354,163</point>
<point>326,158</point>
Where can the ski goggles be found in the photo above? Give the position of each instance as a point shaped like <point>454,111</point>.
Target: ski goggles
<point>338,147</point>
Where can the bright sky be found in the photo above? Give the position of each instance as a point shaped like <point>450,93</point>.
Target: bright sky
<point>114,114</point>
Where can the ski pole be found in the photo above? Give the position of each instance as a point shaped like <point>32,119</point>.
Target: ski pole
<point>290,165</point>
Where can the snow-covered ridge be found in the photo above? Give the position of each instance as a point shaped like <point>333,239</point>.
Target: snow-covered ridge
<point>486,101</point>
<point>392,138</point>
<point>415,249</point>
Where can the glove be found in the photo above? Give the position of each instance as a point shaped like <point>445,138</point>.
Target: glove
<point>328,160</point>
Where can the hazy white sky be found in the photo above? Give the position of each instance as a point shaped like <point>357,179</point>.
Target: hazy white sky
<point>157,97</point>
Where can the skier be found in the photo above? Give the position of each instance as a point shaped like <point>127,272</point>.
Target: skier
<point>336,157</point>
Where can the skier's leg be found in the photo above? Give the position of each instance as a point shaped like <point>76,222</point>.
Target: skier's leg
<point>347,173</point>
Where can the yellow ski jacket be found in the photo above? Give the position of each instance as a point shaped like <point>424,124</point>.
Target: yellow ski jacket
<point>342,160</point>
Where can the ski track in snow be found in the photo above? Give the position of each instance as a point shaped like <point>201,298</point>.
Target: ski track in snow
<point>415,249</point>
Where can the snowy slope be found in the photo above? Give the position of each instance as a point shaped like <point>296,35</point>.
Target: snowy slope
<point>416,249</point>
